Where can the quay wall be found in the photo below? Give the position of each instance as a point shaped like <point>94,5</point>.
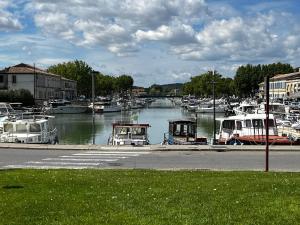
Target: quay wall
<point>151,147</point>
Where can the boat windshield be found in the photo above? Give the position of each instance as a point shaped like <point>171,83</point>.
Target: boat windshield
<point>21,128</point>
<point>34,127</point>
<point>8,127</point>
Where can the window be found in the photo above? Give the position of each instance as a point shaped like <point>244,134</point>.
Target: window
<point>1,79</point>
<point>271,122</point>
<point>238,125</point>
<point>257,123</point>
<point>248,123</point>
<point>8,127</point>
<point>35,127</point>
<point>228,124</point>
<point>21,128</point>
<point>14,79</point>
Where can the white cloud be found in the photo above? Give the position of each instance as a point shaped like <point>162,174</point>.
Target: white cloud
<point>116,24</point>
<point>238,39</point>
<point>8,21</point>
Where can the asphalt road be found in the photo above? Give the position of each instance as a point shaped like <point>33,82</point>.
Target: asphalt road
<point>164,160</point>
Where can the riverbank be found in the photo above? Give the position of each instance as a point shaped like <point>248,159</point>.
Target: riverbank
<point>151,147</point>
<point>148,197</point>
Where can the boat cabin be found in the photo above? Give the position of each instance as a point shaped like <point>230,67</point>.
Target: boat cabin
<point>129,134</point>
<point>183,132</point>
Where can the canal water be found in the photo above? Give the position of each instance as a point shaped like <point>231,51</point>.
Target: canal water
<point>78,128</point>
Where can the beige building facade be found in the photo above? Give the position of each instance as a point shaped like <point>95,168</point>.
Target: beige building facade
<point>282,86</point>
<point>41,84</point>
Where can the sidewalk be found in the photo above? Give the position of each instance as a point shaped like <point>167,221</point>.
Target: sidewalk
<point>151,147</point>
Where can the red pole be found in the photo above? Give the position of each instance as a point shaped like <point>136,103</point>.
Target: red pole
<point>267,81</point>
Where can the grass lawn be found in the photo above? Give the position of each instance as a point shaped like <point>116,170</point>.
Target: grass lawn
<point>148,197</point>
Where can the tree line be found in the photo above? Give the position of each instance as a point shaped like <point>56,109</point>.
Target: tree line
<point>244,84</point>
<point>81,72</point>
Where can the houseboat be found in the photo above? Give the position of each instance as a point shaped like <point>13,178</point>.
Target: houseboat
<point>129,134</point>
<point>183,132</point>
<point>28,131</point>
<point>250,129</point>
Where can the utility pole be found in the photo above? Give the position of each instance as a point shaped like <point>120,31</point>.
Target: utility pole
<point>93,101</point>
<point>214,105</point>
<point>267,87</point>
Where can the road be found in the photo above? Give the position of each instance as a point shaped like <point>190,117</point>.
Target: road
<point>164,160</point>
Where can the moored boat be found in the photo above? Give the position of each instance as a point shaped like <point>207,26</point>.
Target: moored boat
<point>28,131</point>
<point>183,132</point>
<point>250,129</point>
<point>129,134</point>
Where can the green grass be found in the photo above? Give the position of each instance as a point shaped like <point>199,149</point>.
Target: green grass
<point>148,197</point>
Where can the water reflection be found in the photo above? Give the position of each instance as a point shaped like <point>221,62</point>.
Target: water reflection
<point>77,128</point>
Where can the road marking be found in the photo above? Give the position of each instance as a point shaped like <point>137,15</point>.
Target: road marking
<point>116,152</point>
<point>64,163</point>
<point>46,167</point>
<point>94,157</point>
<point>80,159</point>
<point>88,154</point>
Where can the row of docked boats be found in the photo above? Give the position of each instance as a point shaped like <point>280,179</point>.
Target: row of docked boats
<point>100,105</point>
<point>246,125</point>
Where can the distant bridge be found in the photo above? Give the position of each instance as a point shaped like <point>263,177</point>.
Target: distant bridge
<point>160,96</point>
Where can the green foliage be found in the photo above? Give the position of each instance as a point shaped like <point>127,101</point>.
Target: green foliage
<point>82,73</point>
<point>248,77</point>
<point>130,197</point>
<point>22,95</point>
<point>76,70</point>
<point>165,89</point>
<point>202,85</point>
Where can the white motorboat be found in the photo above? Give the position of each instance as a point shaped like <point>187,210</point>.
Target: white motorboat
<point>129,134</point>
<point>28,131</point>
<point>106,106</point>
<point>250,129</point>
<point>64,107</point>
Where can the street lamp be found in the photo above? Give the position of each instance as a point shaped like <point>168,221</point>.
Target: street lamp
<point>214,105</point>
<point>93,102</point>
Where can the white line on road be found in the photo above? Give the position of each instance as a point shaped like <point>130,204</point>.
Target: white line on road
<point>80,159</point>
<point>94,156</point>
<point>116,152</point>
<point>65,163</point>
<point>46,167</point>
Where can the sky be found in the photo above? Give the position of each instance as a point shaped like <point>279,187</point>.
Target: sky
<point>154,41</point>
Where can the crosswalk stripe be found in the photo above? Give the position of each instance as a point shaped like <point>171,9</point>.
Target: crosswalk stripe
<point>93,154</point>
<point>64,163</point>
<point>45,167</point>
<point>80,159</point>
<point>116,152</point>
<point>94,157</point>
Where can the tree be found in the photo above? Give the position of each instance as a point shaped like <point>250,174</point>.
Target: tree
<point>76,70</point>
<point>248,77</point>
<point>202,85</point>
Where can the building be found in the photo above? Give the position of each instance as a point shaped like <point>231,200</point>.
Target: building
<point>282,86</point>
<point>41,84</point>
<point>138,91</point>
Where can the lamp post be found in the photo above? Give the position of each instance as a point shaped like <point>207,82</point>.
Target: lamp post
<point>93,101</point>
<point>267,87</point>
<point>214,105</point>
